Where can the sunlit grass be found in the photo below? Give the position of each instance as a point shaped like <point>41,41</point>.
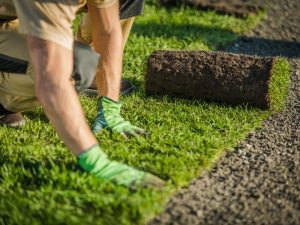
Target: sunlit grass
<point>39,180</point>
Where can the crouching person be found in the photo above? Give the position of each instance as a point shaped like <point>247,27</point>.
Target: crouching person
<point>36,69</point>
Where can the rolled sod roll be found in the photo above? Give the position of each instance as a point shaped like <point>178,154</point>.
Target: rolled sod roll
<point>214,76</point>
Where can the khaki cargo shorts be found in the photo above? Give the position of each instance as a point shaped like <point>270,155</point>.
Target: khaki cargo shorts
<point>16,85</point>
<point>17,92</point>
<point>129,9</point>
<point>50,21</point>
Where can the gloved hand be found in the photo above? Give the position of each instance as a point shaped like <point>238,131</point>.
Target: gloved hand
<point>96,162</point>
<point>108,117</point>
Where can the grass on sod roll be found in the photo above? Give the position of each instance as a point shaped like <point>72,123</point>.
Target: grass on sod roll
<point>279,83</point>
<point>39,180</point>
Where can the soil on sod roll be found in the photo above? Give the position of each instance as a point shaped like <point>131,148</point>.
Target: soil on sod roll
<point>214,76</point>
<point>238,8</point>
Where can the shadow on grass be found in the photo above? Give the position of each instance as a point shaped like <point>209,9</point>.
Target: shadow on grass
<point>34,172</point>
<point>37,114</point>
<point>139,84</point>
<point>213,37</point>
<point>265,47</point>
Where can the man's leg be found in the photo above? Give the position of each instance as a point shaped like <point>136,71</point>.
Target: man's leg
<point>16,80</point>
<point>126,25</point>
<point>84,32</point>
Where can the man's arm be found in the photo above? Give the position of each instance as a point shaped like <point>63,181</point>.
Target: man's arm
<point>52,61</point>
<point>108,41</point>
<point>52,65</point>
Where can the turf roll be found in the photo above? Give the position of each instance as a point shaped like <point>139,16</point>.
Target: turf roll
<point>213,76</point>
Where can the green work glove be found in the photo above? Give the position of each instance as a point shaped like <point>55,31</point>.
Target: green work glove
<point>108,117</point>
<point>96,162</point>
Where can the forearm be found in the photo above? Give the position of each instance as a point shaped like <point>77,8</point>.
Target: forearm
<point>108,41</point>
<point>63,108</point>
<point>53,66</point>
<point>109,70</point>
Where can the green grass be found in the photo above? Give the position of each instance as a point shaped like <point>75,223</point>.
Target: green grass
<point>39,180</point>
<point>279,83</point>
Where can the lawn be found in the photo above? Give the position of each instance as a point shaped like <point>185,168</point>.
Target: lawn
<point>39,180</point>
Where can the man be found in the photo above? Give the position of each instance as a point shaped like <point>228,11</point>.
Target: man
<point>109,74</point>
<point>48,65</point>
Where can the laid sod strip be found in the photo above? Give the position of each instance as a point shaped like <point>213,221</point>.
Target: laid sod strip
<point>279,83</point>
<point>40,183</point>
<point>236,8</point>
<point>39,180</point>
<point>215,76</point>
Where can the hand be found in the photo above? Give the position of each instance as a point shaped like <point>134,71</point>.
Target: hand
<point>109,118</point>
<point>96,162</point>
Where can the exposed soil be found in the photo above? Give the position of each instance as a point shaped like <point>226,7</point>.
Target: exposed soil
<point>213,76</point>
<point>259,181</point>
<point>238,8</point>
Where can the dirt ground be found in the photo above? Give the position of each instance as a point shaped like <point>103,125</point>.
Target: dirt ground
<point>212,76</point>
<point>238,8</point>
<point>259,181</point>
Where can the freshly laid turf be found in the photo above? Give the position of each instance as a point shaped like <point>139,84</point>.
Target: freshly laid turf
<point>39,180</point>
